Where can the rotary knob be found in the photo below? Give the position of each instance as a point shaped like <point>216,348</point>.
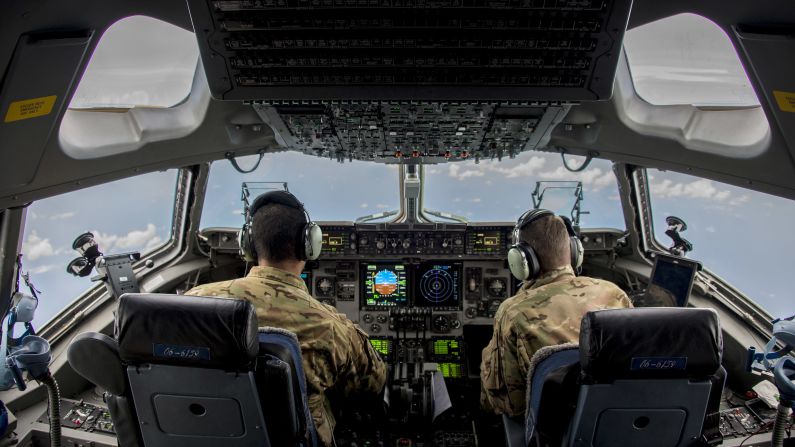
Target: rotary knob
<point>458,240</point>
<point>380,245</point>
<point>364,241</point>
<point>471,312</point>
<point>375,328</point>
<point>445,243</point>
<point>367,318</point>
<point>381,318</point>
<point>406,243</point>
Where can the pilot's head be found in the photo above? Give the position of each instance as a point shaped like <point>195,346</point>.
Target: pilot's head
<point>281,232</point>
<point>277,229</point>
<point>550,240</point>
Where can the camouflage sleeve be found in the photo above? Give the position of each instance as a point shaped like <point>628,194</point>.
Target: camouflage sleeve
<point>363,370</point>
<point>502,371</point>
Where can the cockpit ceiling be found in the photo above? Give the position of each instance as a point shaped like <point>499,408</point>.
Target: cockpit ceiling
<point>319,50</point>
<point>394,80</point>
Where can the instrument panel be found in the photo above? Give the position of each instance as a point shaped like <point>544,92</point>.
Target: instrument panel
<point>419,280</point>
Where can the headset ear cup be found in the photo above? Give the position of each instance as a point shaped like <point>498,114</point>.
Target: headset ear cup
<point>577,252</point>
<point>523,263</point>
<point>313,241</point>
<point>517,263</point>
<point>247,250</point>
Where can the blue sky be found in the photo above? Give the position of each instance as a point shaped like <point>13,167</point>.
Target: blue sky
<point>736,233</point>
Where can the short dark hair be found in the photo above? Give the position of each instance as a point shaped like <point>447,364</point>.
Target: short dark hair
<point>276,229</point>
<point>550,240</point>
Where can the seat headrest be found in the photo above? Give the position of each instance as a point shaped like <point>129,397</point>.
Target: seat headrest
<point>187,331</point>
<point>95,356</point>
<point>650,343</point>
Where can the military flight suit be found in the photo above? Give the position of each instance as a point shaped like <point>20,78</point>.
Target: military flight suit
<point>544,312</point>
<point>335,351</point>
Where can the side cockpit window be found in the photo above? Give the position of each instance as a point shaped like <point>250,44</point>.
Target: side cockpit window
<point>739,234</point>
<point>133,214</point>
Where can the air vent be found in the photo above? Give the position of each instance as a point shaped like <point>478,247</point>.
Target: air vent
<point>528,50</point>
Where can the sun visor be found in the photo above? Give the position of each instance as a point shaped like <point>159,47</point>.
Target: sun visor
<point>384,50</point>
<point>32,96</point>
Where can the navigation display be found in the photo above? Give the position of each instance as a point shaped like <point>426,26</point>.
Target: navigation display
<point>438,284</point>
<point>486,241</point>
<point>384,284</point>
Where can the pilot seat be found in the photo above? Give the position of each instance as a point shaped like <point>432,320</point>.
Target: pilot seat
<point>646,376</point>
<point>196,371</point>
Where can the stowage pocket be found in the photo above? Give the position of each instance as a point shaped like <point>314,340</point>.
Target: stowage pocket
<point>490,368</point>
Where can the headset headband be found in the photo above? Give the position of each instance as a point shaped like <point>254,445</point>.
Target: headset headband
<point>285,198</point>
<point>527,218</point>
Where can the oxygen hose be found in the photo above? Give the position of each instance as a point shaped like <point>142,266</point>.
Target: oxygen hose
<point>53,409</point>
<point>779,431</point>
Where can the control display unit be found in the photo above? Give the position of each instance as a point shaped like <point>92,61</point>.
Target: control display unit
<point>486,242</point>
<point>384,284</point>
<point>438,284</point>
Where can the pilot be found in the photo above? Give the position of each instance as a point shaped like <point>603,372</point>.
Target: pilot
<point>546,311</point>
<point>336,353</point>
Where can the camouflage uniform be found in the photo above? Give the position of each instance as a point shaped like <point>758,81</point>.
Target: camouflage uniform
<point>336,353</point>
<point>544,312</point>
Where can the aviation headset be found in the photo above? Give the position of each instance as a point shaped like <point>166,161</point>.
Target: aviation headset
<point>310,240</point>
<point>522,259</point>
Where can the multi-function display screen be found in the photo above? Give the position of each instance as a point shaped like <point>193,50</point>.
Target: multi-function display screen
<point>437,284</point>
<point>384,284</point>
<point>486,241</point>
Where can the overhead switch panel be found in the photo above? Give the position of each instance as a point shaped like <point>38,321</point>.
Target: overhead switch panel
<point>433,50</point>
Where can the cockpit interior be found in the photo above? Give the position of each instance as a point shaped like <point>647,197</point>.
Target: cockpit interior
<point>397,122</point>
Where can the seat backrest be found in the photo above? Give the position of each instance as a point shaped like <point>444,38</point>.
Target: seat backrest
<point>547,384</point>
<point>282,389</point>
<point>647,376</point>
<point>190,369</point>
<point>95,356</point>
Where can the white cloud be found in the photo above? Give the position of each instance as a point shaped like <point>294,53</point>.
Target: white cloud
<point>456,172</point>
<point>592,178</point>
<point>63,216</point>
<point>475,200</point>
<point>154,242</point>
<point>364,205</point>
<point>35,247</point>
<point>698,189</point>
<point>42,269</point>
<point>237,212</point>
<point>134,240</point>
<point>382,206</point>
<point>710,229</point>
<point>740,200</point>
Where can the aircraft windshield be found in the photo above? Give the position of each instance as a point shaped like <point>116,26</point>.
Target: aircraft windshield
<point>487,191</point>
<point>739,234</point>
